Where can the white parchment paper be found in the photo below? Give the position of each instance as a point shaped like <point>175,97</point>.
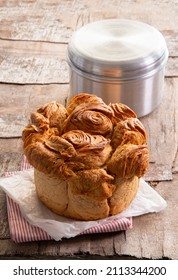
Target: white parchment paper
<point>21,189</point>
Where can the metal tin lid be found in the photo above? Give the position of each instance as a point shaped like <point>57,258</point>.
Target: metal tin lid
<point>117,48</point>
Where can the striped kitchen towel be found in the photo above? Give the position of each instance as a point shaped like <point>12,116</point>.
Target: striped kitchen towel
<point>22,231</point>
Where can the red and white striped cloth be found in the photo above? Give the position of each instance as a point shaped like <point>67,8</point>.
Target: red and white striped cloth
<point>22,231</point>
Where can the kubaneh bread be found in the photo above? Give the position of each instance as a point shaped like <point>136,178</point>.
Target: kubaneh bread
<point>87,158</point>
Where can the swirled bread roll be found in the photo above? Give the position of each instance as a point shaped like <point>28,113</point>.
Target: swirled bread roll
<point>56,114</point>
<point>91,150</point>
<point>60,156</point>
<point>121,112</point>
<point>42,154</point>
<point>94,118</point>
<point>87,158</point>
<point>129,160</point>
<point>129,131</point>
<point>82,99</point>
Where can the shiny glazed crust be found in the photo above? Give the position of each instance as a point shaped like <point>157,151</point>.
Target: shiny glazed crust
<point>88,157</point>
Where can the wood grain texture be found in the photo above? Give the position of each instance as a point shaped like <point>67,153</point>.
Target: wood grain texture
<point>158,172</point>
<point>56,20</point>
<point>17,103</point>
<point>11,155</point>
<point>34,36</point>
<point>159,234</point>
<point>160,126</point>
<point>4,227</point>
<point>29,23</point>
<point>36,63</point>
<point>33,63</point>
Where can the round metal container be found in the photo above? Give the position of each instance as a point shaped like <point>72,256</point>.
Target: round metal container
<point>119,61</point>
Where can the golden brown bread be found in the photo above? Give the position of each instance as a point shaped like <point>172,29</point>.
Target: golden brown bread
<point>88,157</point>
<point>94,118</point>
<point>88,193</point>
<point>129,131</point>
<point>56,114</point>
<point>124,193</point>
<point>121,112</point>
<point>61,156</point>
<point>129,160</point>
<point>49,191</point>
<point>82,99</point>
<point>92,151</point>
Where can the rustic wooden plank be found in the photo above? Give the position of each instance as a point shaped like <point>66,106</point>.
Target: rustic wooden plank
<point>19,48</point>
<point>43,63</point>
<point>164,224</point>
<point>11,155</point>
<point>141,242</point>
<point>172,67</point>
<point>10,249</point>
<point>158,172</point>
<point>36,20</point>
<point>33,63</point>
<point>75,246</point>
<point>175,163</point>
<point>175,84</point>
<point>103,244</point>
<point>170,219</point>
<point>17,103</point>
<point>12,127</point>
<point>4,228</point>
<point>171,37</point>
<point>56,20</point>
<point>160,127</point>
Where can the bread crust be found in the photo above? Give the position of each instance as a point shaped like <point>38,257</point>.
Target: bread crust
<point>51,191</point>
<point>87,158</point>
<point>123,195</point>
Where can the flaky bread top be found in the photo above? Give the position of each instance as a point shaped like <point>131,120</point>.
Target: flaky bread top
<point>86,135</point>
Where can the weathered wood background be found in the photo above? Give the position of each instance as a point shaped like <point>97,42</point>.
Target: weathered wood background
<point>33,41</point>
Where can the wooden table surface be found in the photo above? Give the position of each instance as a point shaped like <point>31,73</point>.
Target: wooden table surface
<point>33,40</point>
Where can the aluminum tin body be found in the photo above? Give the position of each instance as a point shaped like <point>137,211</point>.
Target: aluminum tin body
<point>120,61</point>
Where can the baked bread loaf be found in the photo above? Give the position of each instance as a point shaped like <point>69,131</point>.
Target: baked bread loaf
<point>87,158</point>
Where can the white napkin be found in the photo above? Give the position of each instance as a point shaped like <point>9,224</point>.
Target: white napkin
<point>21,189</point>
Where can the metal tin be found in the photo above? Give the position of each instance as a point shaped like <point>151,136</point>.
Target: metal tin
<point>119,61</point>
